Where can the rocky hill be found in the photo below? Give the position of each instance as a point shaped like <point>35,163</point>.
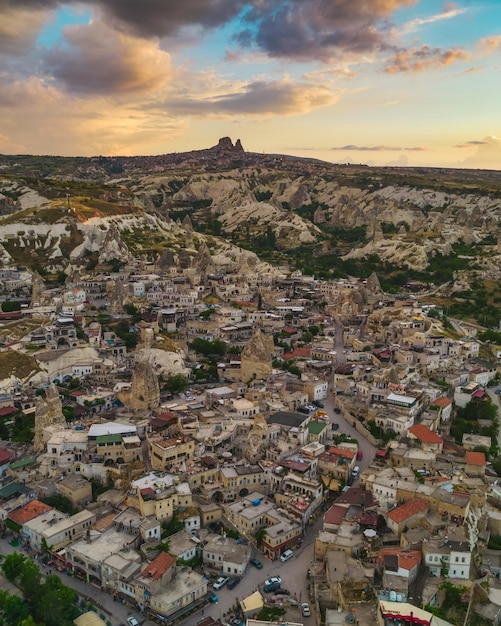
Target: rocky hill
<point>59,210</point>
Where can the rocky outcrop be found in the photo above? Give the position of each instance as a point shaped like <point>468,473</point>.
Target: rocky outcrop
<point>256,357</point>
<point>48,412</point>
<point>145,390</point>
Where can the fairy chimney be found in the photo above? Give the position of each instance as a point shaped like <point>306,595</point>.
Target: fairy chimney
<point>145,391</point>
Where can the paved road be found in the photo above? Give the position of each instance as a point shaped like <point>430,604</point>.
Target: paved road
<point>114,612</point>
<point>293,574</point>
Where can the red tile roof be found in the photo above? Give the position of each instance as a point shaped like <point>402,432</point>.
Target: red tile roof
<point>335,515</point>
<point>157,568</point>
<point>442,402</point>
<point>408,510</point>
<point>424,434</point>
<point>5,456</point>
<point>407,559</point>
<point>298,353</point>
<point>7,410</point>
<point>475,458</point>
<point>28,512</point>
<point>479,393</point>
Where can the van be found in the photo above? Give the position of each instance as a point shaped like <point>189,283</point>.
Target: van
<point>288,554</point>
<point>356,471</point>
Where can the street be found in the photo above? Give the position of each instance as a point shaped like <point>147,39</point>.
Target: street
<point>292,572</point>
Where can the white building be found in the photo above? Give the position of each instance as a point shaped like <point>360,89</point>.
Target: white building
<point>448,558</point>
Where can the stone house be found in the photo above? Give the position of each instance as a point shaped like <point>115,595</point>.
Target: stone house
<point>183,593</point>
<point>118,572</point>
<point>448,558</point>
<point>407,515</point>
<point>400,568</point>
<point>154,577</point>
<point>68,529</point>
<point>76,489</point>
<point>168,452</point>
<point>226,555</point>
<point>183,545</point>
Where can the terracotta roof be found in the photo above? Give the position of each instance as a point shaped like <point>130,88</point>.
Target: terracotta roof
<point>7,410</point>
<point>348,454</point>
<point>442,402</point>
<point>157,568</point>
<point>335,515</point>
<point>298,353</point>
<point>424,434</point>
<point>5,456</point>
<point>475,458</point>
<point>28,512</point>
<point>407,559</point>
<point>479,393</point>
<point>407,510</point>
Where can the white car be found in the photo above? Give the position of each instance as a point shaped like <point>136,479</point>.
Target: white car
<point>273,579</point>
<point>132,621</point>
<point>288,554</point>
<point>220,582</point>
<point>305,609</point>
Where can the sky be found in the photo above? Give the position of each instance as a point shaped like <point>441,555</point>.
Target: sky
<point>382,82</point>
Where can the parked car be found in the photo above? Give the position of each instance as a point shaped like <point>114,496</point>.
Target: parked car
<point>304,409</point>
<point>257,563</point>
<point>282,592</point>
<point>288,554</point>
<point>233,582</point>
<point>337,410</point>
<point>360,455</point>
<point>220,583</point>
<point>213,598</point>
<point>318,403</point>
<point>271,587</point>
<point>132,621</point>
<point>305,609</point>
<point>335,426</point>
<point>273,579</point>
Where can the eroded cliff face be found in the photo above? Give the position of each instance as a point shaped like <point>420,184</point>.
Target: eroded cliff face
<point>405,224</point>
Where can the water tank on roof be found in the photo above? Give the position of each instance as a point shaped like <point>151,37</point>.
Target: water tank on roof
<point>256,502</point>
<point>393,596</point>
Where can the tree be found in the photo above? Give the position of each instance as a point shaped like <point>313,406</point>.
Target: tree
<point>12,566</point>
<point>14,609</point>
<point>29,579</point>
<point>260,536</point>
<point>176,383</point>
<point>56,604</point>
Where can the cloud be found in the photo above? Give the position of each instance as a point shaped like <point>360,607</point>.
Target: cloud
<point>147,18</point>
<point>96,59</point>
<point>281,97</point>
<point>487,154</point>
<point>319,29</point>
<point>19,28</point>
<point>379,148</point>
<point>424,58</point>
<point>449,11</point>
<point>488,45</point>
<point>470,144</point>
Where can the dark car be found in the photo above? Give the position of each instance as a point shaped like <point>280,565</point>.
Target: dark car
<point>233,582</point>
<point>303,409</point>
<point>335,426</point>
<point>318,403</point>
<point>271,587</point>
<point>257,563</point>
<point>282,592</point>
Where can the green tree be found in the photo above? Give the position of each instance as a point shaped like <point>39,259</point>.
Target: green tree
<point>12,566</point>
<point>176,383</point>
<point>29,579</point>
<point>8,306</point>
<point>14,609</point>
<point>56,603</point>
<point>260,536</point>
